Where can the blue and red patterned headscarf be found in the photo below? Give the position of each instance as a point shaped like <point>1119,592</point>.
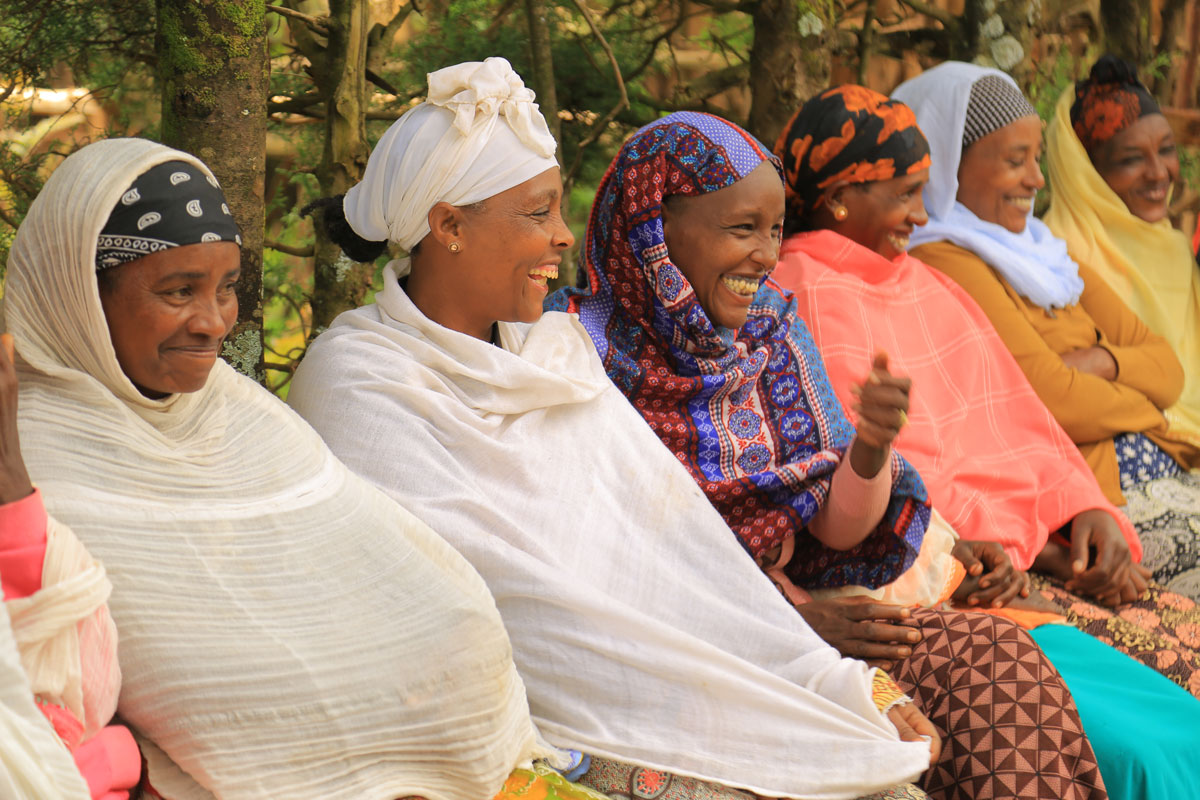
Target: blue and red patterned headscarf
<point>750,412</point>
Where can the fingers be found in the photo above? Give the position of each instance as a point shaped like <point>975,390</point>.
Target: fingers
<point>8,346</point>
<point>965,553</point>
<point>866,609</point>
<point>913,726</point>
<point>1081,536</point>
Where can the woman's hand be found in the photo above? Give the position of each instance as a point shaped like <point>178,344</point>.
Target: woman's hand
<point>882,410</point>
<point>1094,361</point>
<point>14,480</point>
<point>991,577</point>
<point>852,625</point>
<point>1111,576</point>
<point>911,724</point>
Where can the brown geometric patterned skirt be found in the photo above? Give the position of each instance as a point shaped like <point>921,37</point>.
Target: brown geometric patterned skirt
<point>1161,630</point>
<point>1008,724</point>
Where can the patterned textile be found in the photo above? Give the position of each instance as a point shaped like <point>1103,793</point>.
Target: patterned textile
<point>543,783</point>
<point>625,782</point>
<point>169,205</point>
<point>848,133</point>
<point>1161,630</point>
<point>994,104</point>
<point>968,662</point>
<point>750,413</point>
<point>1109,101</point>
<point>886,692</point>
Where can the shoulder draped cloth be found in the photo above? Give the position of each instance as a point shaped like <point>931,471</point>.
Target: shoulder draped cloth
<point>996,463</point>
<point>750,413</point>
<point>34,765</point>
<point>286,629</point>
<point>643,632</point>
<point>1149,265</point>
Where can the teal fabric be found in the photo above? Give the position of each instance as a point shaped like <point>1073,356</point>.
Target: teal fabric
<point>1144,728</point>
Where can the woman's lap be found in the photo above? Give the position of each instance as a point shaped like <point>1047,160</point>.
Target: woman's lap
<point>1161,630</point>
<point>627,782</point>
<point>996,701</point>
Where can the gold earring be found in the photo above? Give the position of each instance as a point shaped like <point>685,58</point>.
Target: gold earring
<point>840,212</point>
<point>455,247</point>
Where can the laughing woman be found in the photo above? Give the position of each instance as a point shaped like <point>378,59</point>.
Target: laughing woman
<point>624,593</point>
<point>1103,374</point>
<point>1112,162</point>
<point>710,352</point>
<point>996,463</point>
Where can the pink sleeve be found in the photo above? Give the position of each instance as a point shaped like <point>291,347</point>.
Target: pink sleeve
<point>110,763</point>
<point>854,507</point>
<point>22,546</point>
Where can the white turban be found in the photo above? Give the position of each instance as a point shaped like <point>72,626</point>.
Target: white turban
<point>451,148</point>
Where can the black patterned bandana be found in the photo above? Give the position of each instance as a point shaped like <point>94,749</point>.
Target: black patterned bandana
<point>169,205</point>
<point>994,103</point>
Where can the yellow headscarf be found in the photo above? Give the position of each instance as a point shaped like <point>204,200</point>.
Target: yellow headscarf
<point>1149,265</point>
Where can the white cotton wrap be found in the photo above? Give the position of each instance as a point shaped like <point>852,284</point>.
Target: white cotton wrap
<point>287,631</point>
<point>34,765</point>
<point>477,134</point>
<point>643,631</point>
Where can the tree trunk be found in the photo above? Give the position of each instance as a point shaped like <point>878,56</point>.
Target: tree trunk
<point>340,284</point>
<point>543,68</point>
<point>213,70</point>
<point>788,63</point>
<point>1126,25</point>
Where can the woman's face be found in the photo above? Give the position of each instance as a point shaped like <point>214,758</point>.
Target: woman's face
<point>512,246</point>
<point>1000,175</point>
<point>169,312</point>
<point>725,242</point>
<point>1140,163</point>
<point>883,214</point>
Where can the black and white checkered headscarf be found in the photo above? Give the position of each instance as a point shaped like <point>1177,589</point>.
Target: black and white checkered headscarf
<point>169,205</point>
<point>994,103</point>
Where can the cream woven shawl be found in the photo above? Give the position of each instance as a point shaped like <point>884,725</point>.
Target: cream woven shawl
<point>643,632</point>
<point>287,631</point>
<point>33,763</point>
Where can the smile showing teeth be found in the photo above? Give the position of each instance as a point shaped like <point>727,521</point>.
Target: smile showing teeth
<point>541,275</point>
<point>898,241</point>
<point>1022,203</point>
<point>745,287</point>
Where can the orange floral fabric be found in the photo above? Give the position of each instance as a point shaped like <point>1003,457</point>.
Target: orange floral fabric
<point>848,133</point>
<point>1109,101</point>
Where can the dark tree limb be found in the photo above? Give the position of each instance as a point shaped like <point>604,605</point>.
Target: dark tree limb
<point>315,24</point>
<point>865,41</point>
<point>601,124</point>
<point>287,249</point>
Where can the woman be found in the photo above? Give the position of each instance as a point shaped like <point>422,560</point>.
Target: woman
<point>993,458</point>
<point>719,371</point>
<point>1112,161</point>
<point>287,630</point>
<point>611,571</point>
<point>55,594</point>
<point>1103,374</point>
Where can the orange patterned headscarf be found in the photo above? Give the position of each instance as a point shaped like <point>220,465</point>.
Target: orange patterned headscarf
<point>1109,101</point>
<point>848,133</point>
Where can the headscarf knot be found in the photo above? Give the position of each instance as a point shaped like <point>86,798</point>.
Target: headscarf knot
<point>486,89</point>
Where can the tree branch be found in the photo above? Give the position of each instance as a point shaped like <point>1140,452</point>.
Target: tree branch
<point>381,82</point>
<point>380,39</point>
<point>294,105</point>
<point>280,247</point>
<point>865,40</point>
<point>602,124</point>
<point>315,24</point>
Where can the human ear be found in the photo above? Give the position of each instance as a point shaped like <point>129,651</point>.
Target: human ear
<point>446,224</point>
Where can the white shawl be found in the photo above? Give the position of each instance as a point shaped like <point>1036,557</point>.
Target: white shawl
<point>34,765</point>
<point>286,629</point>
<point>643,631</point>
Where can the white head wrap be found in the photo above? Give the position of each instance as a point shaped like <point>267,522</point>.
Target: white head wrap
<point>1035,261</point>
<point>451,148</point>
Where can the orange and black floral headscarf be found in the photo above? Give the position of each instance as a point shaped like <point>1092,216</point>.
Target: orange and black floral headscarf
<point>847,133</point>
<point>1109,101</point>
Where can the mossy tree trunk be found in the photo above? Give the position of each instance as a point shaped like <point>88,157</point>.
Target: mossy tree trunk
<point>542,79</point>
<point>213,72</point>
<point>998,33</point>
<point>1126,25</point>
<point>788,63</point>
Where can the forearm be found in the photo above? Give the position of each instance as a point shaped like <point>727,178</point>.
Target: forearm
<point>855,505</point>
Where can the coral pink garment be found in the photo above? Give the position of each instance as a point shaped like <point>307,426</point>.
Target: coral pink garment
<point>109,761</point>
<point>995,462</point>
